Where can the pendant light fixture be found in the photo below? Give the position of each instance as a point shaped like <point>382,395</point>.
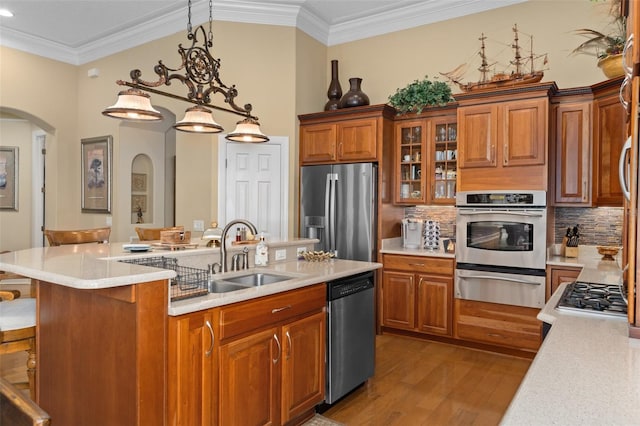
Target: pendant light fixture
<point>202,79</point>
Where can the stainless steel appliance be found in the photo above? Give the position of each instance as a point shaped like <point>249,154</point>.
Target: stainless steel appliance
<point>592,298</point>
<point>412,230</point>
<point>351,334</point>
<point>501,247</point>
<point>338,206</point>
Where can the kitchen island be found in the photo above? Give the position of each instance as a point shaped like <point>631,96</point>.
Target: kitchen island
<point>587,370</point>
<point>104,330</point>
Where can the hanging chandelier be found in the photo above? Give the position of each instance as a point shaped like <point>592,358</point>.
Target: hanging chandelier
<point>201,76</point>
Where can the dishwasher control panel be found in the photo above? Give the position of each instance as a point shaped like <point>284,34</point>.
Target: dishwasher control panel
<point>349,285</point>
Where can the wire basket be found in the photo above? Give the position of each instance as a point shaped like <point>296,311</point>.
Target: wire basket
<point>188,282</point>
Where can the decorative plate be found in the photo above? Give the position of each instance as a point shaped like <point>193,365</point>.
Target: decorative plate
<point>136,248</point>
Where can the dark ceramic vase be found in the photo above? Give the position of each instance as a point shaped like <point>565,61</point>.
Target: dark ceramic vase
<point>334,93</point>
<point>355,96</point>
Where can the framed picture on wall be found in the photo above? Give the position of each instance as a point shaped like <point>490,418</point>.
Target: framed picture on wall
<point>138,182</point>
<point>96,174</point>
<point>9,178</point>
<point>138,203</point>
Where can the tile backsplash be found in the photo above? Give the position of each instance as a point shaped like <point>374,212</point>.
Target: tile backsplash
<point>446,215</point>
<point>598,226</point>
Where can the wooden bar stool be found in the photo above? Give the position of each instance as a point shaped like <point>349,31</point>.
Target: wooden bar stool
<point>18,410</point>
<point>80,236</point>
<point>18,331</point>
<point>151,234</point>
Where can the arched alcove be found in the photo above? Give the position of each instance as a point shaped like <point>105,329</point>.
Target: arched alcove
<point>145,149</point>
<point>142,178</point>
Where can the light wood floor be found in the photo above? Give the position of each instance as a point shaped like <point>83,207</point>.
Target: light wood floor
<point>416,383</point>
<point>427,383</point>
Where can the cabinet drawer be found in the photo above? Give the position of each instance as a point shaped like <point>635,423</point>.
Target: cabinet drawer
<point>504,325</point>
<point>419,264</point>
<point>246,316</point>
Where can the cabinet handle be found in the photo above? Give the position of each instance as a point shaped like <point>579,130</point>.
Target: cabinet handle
<point>213,338</point>
<point>495,335</point>
<point>493,154</point>
<point>275,361</point>
<point>623,101</point>
<point>416,264</point>
<point>276,310</point>
<point>628,69</point>
<point>584,191</point>
<point>420,282</point>
<point>505,152</point>
<point>290,345</point>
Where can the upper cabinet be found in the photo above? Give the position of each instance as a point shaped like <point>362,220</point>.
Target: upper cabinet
<point>344,135</point>
<point>426,157</point>
<point>571,151</point>
<point>503,138</point>
<point>588,132</point>
<point>609,135</point>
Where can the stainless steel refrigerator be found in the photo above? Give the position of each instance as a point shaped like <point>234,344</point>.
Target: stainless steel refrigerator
<point>338,206</point>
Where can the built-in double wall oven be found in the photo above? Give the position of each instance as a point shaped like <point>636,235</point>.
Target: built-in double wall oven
<point>501,239</point>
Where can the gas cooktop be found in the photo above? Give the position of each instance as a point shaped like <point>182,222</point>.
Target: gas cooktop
<point>593,298</point>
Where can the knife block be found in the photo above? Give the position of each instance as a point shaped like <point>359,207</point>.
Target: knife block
<point>568,251</point>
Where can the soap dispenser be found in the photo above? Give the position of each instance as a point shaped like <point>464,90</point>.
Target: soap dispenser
<point>213,235</point>
<point>262,252</point>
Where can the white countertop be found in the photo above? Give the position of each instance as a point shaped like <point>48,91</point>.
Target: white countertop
<point>394,246</point>
<point>304,273</point>
<point>95,266</point>
<point>587,371</point>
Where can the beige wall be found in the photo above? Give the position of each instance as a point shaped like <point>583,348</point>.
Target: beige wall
<point>280,70</point>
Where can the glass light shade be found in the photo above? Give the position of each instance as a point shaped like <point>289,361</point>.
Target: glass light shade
<point>198,119</point>
<point>133,104</point>
<point>247,130</point>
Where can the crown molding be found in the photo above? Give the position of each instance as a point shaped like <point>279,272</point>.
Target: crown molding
<point>291,14</point>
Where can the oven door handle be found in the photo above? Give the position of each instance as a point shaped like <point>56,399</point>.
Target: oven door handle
<point>509,212</point>
<point>493,277</point>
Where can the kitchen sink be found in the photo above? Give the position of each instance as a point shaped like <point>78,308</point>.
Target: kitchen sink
<point>222,287</point>
<point>256,279</point>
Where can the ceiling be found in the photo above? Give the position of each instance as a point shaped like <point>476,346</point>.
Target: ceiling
<point>80,31</point>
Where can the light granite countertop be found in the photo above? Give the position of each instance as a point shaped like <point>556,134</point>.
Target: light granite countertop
<point>587,371</point>
<point>394,246</point>
<point>96,266</point>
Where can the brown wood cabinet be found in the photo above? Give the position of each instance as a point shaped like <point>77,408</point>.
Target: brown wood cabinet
<point>609,135</point>
<point>102,354</point>
<point>508,326</point>
<point>588,132</point>
<point>192,368</point>
<point>557,275</point>
<point>417,293</point>
<point>503,138</point>
<point>426,157</point>
<point>272,354</point>
<point>571,150</point>
<point>345,135</point>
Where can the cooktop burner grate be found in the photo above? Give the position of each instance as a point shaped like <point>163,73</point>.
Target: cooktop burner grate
<point>591,297</point>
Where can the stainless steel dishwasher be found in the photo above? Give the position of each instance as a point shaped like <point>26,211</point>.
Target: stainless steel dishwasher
<point>350,334</point>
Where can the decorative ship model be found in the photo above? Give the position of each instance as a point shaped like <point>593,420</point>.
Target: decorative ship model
<point>502,79</point>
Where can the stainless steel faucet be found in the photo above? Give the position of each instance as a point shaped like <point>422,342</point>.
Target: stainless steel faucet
<point>223,243</point>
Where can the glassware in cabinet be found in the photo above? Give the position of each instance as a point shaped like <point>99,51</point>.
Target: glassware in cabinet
<point>445,162</point>
<point>410,162</point>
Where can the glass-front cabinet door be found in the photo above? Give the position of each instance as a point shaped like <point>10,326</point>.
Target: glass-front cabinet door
<point>410,162</point>
<point>444,167</point>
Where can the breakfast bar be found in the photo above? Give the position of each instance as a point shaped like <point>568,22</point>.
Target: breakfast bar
<point>105,328</point>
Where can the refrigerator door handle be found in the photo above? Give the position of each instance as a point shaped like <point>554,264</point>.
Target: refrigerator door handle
<point>331,179</point>
<point>327,208</point>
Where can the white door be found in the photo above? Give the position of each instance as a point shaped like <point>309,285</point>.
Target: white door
<point>255,185</point>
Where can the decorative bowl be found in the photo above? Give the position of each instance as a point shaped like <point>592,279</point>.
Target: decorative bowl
<point>608,252</point>
<point>317,256</point>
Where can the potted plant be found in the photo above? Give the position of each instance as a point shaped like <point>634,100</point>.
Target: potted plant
<point>420,94</point>
<point>606,46</point>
